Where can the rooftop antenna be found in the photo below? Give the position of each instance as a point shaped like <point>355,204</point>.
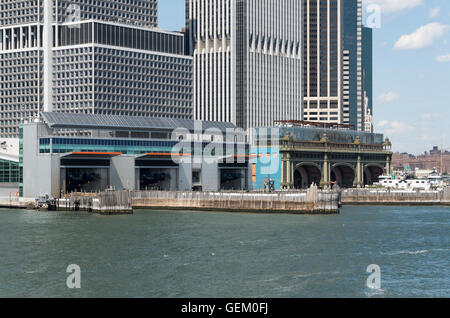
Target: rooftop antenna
<point>48,55</point>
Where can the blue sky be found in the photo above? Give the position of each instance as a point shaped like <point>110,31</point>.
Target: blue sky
<point>411,69</point>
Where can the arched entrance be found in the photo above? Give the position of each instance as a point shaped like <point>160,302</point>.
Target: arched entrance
<point>307,174</point>
<point>343,175</point>
<point>372,174</point>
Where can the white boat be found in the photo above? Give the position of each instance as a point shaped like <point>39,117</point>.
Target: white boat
<point>404,184</point>
<point>436,179</point>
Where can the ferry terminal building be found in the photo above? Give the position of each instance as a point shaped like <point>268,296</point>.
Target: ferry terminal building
<point>63,153</point>
<point>296,154</point>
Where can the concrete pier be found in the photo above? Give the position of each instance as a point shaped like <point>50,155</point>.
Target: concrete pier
<point>302,202</point>
<point>395,197</point>
<point>312,201</point>
<point>105,203</point>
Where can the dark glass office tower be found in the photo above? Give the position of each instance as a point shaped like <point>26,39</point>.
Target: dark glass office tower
<point>353,104</point>
<point>322,50</point>
<point>333,62</point>
<point>367,67</point>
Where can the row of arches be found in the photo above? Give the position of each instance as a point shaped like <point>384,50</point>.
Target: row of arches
<point>341,174</point>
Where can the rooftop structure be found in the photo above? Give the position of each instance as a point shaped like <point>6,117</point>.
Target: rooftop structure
<point>113,122</point>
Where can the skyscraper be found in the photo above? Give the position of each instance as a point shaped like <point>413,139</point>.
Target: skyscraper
<point>105,57</point>
<point>323,61</point>
<point>138,12</point>
<point>352,73</point>
<point>367,77</point>
<point>333,62</point>
<point>247,60</point>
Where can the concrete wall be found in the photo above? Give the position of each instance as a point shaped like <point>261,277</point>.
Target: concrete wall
<point>122,173</point>
<point>8,188</point>
<point>387,197</point>
<point>185,176</point>
<point>210,176</point>
<point>446,194</point>
<point>325,202</point>
<point>41,173</point>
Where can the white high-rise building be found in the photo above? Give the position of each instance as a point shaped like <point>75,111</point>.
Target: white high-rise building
<point>99,57</point>
<point>247,60</point>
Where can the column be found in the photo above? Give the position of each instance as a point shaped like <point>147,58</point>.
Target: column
<point>388,165</point>
<point>289,171</point>
<point>291,182</point>
<point>284,181</point>
<point>325,178</point>
<point>359,173</point>
<point>2,40</point>
<point>48,55</point>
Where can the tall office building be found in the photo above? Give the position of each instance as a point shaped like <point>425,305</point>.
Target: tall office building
<point>353,92</point>
<point>247,60</point>
<point>367,77</point>
<point>333,62</point>
<point>105,58</point>
<point>138,12</point>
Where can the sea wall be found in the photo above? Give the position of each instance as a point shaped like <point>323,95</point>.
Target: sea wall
<point>446,196</point>
<point>395,197</point>
<point>304,202</point>
<point>106,203</point>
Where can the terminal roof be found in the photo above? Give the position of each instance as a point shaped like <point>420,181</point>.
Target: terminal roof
<point>94,121</point>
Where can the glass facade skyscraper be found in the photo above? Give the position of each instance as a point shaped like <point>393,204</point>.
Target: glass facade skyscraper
<point>322,64</point>
<point>367,68</point>
<point>333,74</point>
<point>353,97</point>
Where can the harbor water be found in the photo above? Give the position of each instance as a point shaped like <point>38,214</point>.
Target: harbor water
<point>195,254</point>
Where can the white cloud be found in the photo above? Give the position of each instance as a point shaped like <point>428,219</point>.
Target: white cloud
<point>382,123</point>
<point>422,37</point>
<point>443,58</point>
<point>390,6</point>
<point>434,13</point>
<point>392,127</point>
<point>430,116</point>
<point>388,97</point>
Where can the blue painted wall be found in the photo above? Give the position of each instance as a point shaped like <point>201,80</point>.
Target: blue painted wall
<point>268,164</point>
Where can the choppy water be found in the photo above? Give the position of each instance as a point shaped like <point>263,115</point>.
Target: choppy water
<point>186,254</point>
